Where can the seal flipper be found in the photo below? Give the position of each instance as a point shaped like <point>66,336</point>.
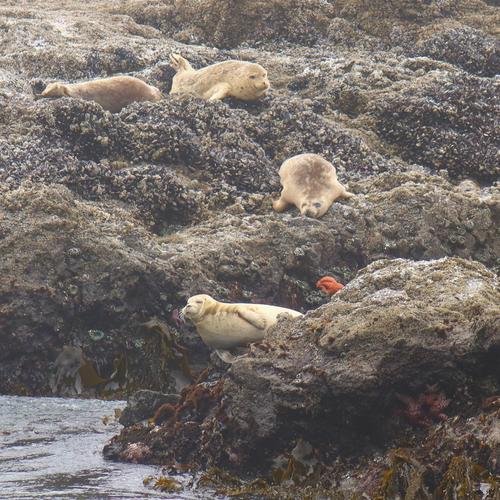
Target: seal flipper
<point>280,204</point>
<point>179,63</point>
<point>227,357</point>
<point>253,318</point>
<point>219,92</point>
<point>346,195</point>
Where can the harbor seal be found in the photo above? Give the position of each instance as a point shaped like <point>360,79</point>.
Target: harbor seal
<point>310,183</point>
<point>112,94</point>
<point>225,326</point>
<point>240,79</point>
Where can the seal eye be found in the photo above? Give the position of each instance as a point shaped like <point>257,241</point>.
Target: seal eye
<point>253,77</point>
<point>317,204</point>
<point>199,301</point>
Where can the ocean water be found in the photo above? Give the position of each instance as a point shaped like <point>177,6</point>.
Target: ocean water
<point>50,448</point>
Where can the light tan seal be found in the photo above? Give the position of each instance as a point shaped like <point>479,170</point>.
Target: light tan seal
<point>225,326</point>
<point>310,183</point>
<point>242,80</point>
<point>113,94</point>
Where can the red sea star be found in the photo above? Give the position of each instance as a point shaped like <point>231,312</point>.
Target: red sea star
<point>329,285</point>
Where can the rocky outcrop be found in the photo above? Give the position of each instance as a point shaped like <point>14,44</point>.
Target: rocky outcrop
<point>346,377</point>
<point>227,24</point>
<point>425,127</point>
<point>104,272</point>
<point>78,274</point>
<point>468,48</point>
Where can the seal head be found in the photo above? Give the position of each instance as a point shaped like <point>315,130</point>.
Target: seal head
<point>55,90</point>
<point>253,82</point>
<point>196,308</point>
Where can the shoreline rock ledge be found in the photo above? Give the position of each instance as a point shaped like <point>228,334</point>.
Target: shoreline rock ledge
<point>404,346</point>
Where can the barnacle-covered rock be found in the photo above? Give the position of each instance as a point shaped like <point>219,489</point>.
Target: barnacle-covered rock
<point>469,48</point>
<point>70,269</point>
<point>393,215</point>
<point>445,121</point>
<point>108,222</point>
<point>105,273</point>
<point>227,24</point>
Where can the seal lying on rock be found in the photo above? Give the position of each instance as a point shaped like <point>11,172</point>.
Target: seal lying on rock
<point>224,326</point>
<point>112,94</point>
<point>242,80</point>
<point>310,183</point>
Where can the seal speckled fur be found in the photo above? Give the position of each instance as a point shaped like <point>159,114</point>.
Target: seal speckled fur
<point>242,80</point>
<point>310,183</point>
<point>224,326</point>
<point>113,94</point>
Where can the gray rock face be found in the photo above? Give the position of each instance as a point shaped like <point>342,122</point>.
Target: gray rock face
<point>466,47</point>
<point>142,405</point>
<point>74,273</point>
<point>396,327</point>
<point>427,129</point>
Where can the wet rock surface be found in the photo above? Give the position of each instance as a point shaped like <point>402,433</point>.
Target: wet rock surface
<point>108,222</point>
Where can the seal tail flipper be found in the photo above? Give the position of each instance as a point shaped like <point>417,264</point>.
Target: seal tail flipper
<point>179,63</point>
<point>227,357</point>
<point>253,318</point>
